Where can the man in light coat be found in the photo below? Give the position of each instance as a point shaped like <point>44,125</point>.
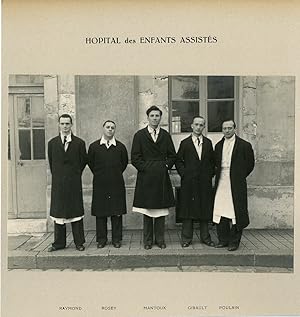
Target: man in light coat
<point>234,161</point>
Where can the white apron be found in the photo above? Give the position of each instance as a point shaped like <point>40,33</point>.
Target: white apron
<point>154,213</point>
<point>223,200</point>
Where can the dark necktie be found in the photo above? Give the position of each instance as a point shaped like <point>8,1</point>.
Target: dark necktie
<point>107,143</point>
<point>154,134</point>
<point>198,140</point>
<point>65,143</point>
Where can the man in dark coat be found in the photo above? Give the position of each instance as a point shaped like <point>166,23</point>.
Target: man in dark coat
<point>67,159</point>
<point>195,165</point>
<point>108,159</point>
<point>153,154</point>
<point>234,161</point>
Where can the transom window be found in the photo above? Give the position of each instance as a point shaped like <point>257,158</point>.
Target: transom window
<point>213,97</point>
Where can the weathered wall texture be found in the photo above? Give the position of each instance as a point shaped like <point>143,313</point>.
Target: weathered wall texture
<point>268,119</point>
<point>266,116</point>
<point>152,90</point>
<point>99,98</point>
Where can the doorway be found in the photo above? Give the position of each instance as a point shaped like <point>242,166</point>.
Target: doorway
<point>27,157</point>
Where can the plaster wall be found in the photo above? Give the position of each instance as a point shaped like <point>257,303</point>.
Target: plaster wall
<point>266,119</point>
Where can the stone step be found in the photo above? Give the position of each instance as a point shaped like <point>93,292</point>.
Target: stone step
<point>258,248</point>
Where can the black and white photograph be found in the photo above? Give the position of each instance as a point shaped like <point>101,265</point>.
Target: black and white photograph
<point>151,173</point>
<point>150,158</point>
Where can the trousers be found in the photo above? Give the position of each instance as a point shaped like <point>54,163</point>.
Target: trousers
<point>188,228</point>
<point>159,230</point>
<point>60,234</point>
<point>101,229</point>
<point>228,233</point>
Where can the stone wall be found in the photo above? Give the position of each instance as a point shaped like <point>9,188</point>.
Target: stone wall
<point>266,118</point>
<point>268,122</point>
<point>99,98</point>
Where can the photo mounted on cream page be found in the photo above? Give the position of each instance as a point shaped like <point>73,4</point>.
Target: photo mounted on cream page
<point>150,167</point>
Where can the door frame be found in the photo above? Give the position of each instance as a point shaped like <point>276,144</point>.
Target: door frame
<point>15,91</point>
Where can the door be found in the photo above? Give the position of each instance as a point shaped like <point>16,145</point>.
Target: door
<point>27,156</point>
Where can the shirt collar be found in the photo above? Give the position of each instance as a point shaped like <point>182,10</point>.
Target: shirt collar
<point>151,130</point>
<point>194,138</point>
<point>69,137</point>
<point>112,141</point>
<point>232,139</point>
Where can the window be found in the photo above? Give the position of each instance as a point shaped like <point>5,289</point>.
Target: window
<point>31,127</point>
<point>213,97</point>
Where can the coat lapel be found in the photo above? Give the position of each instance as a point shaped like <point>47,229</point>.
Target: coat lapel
<point>159,136</point>
<point>60,144</point>
<point>192,147</point>
<point>71,143</point>
<point>148,135</point>
<point>235,147</point>
<point>204,148</point>
<point>220,153</point>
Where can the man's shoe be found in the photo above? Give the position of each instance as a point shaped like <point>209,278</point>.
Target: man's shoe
<point>185,244</point>
<point>221,245</point>
<point>80,247</point>
<point>161,245</point>
<point>117,245</point>
<point>101,245</point>
<point>209,243</point>
<point>233,247</point>
<point>147,246</point>
<point>52,249</point>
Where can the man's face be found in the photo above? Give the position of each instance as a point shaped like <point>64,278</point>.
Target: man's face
<point>65,125</point>
<point>228,129</point>
<point>109,130</point>
<point>198,125</point>
<point>154,118</point>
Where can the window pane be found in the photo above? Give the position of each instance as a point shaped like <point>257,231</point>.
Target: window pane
<point>185,87</point>
<point>23,112</point>
<point>220,87</point>
<point>24,144</point>
<point>37,109</point>
<point>218,111</point>
<point>38,144</point>
<point>182,115</point>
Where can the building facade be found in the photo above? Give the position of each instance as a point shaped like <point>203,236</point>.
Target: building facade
<point>263,108</point>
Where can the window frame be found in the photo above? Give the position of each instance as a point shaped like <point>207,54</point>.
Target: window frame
<point>203,102</point>
<point>31,128</point>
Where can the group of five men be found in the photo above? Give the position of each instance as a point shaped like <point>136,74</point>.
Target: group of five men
<point>153,155</point>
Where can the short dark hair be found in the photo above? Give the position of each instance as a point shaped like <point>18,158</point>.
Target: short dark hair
<point>153,108</point>
<point>198,117</point>
<point>109,121</point>
<point>229,119</point>
<point>65,115</point>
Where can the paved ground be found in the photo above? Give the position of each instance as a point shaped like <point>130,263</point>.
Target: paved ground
<point>260,250</point>
<point>234,269</point>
